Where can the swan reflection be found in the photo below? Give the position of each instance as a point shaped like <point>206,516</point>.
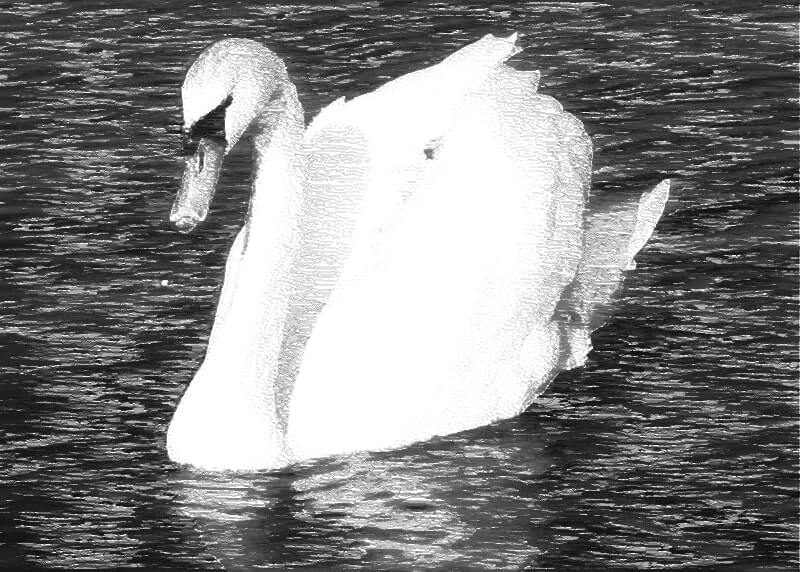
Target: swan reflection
<point>426,505</point>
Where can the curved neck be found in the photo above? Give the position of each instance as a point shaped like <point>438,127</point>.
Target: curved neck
<point>244,346</point>
<point>257,282</point>
<point>276,194</point>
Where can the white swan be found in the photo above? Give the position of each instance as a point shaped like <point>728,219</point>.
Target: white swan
<point>417,262</point>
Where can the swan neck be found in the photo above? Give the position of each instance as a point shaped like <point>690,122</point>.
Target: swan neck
<point>277,158</point>
<point>259,286</point>
<point>278,129</point>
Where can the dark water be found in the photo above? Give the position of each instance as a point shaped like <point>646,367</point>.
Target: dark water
<point>675,447</point>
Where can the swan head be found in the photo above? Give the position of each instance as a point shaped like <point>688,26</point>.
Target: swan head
<point>226,88</point>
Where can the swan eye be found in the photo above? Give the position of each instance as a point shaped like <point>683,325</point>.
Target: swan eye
<point>201,160</point>
<point>210,126</point>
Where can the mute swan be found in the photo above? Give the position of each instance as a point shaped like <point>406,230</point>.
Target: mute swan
<point>415,263</point>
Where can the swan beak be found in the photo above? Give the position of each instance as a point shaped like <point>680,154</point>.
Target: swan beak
<point>200,175</point>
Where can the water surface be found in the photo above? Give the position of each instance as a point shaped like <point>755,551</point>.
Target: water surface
<point>675,447</point>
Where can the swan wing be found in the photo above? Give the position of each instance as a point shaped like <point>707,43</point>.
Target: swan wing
<point>441,320</point>
<point>364,158</point>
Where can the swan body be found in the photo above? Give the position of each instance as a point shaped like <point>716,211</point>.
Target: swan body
<point>419,261</point>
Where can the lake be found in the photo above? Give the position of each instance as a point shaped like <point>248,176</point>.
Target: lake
<point>675,447</point>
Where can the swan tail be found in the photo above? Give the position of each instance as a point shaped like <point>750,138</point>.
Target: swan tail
<point>614,235</point>
<point>651,207</point>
